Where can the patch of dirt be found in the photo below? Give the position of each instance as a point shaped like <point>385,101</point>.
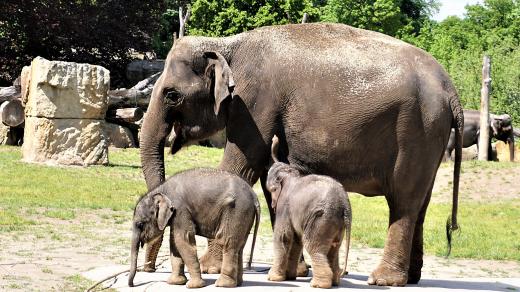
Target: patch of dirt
<point>479,184</point>
<point>50,255</point>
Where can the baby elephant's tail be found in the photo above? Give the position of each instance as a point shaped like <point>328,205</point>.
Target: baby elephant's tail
<point>257,223</point>
<point>348,225</point>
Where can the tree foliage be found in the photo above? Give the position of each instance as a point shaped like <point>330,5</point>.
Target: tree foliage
<point>491,28</point>
<point>92,31</point>
<point>392,17</point>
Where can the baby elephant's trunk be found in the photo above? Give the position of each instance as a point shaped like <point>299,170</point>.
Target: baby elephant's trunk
<point>133,257</point>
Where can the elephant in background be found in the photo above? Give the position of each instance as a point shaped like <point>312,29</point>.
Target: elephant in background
<point>312,211</point>
<point>206,202</point>
<point>500,128</point>
<point>368,110</point>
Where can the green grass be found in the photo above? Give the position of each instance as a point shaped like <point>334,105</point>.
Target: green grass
<point>488,230</point>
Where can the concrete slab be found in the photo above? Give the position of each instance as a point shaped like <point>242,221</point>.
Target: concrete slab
<point>256,280</point>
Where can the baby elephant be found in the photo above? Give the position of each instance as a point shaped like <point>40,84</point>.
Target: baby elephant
<point>207,202</point>
<point>312,211</point>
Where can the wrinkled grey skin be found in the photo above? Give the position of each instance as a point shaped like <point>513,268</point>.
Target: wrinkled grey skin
<point>312,211</point>
<point>368,110</point>
<point>206,202</point>
<point>500,128</point>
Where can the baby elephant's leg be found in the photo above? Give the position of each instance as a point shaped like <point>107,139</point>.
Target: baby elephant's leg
<point>188,250</point>
<point>282,240</point>
<point>333,257</point>
<point>229,270</point>
<point>318,241</point>
<point>177,276</point>
<point>295,254</point>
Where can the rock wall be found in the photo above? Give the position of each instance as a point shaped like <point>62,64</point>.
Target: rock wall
<point>65,106</point>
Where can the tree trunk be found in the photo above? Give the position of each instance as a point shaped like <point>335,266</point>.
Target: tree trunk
<point>137,96</point>
<point>10,93</point>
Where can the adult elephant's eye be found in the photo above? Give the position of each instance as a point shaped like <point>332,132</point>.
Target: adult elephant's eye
<point>139,225</point>
<point>169,93</point>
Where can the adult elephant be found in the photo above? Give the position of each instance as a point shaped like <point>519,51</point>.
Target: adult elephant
<point>500,128</point>
<point>371,111</point>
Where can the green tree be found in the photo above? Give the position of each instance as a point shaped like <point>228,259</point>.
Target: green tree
<point>392,17</point>
<point>491,28</point>
<point>98,32</point>
<point>228,17</point>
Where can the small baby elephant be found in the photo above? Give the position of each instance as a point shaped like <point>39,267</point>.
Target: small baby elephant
<point>312,211</point>
<point>206,202</point>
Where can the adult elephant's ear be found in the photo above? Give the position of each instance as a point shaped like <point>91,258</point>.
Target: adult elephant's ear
<point>164,210</point>
<point>223,82</point>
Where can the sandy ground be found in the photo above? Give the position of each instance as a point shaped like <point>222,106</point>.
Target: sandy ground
<point>57,254</point>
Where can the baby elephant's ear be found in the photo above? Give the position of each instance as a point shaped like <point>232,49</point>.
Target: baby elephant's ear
<point>165,210</point>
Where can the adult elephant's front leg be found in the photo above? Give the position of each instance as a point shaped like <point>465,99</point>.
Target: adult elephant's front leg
<point>393,268</point>
<point>151,252</point>
<point>211,261</point>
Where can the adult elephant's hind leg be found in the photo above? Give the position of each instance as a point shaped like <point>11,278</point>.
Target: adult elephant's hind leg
<point>416,256</point>
<point>211,260</point>
<point>405,205</point>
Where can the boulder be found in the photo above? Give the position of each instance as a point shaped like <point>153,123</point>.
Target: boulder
<point>470,153</point>
<point>118,136</point>
<point>65,90</point>
<point>65,141</point>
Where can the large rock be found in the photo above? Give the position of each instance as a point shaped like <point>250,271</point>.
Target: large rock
<point>118,136</point>
<point>64,90</point>
<point>65,141</point>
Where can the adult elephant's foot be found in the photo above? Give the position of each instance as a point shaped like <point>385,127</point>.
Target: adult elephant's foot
<point>275,276</point>
<point>225,281</point>
<point>321,283</point>
<point>385,275</point>
<point>303,269</point>
<point>211,261</point>
<point>177,280</point>
<point>196,283</point>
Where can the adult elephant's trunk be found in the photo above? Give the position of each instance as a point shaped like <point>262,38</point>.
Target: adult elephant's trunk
<point>511,143</point>
<point>133,257</point>
<point>154,130</point>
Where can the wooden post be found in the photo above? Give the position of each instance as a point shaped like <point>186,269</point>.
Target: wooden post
<point>305,17</point>
<point>182,20</point>
<point>483,142</point>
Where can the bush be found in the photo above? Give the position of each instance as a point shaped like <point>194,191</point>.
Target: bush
<point>98,32</point>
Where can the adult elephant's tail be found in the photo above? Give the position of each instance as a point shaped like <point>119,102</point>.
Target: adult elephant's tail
<point>458,125</point>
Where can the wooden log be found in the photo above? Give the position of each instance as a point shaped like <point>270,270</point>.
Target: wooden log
<point>137,96</point>
<point>483,143</point>
<point>10,93</point>
<point>12,113</point>
<point>128,115</point>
